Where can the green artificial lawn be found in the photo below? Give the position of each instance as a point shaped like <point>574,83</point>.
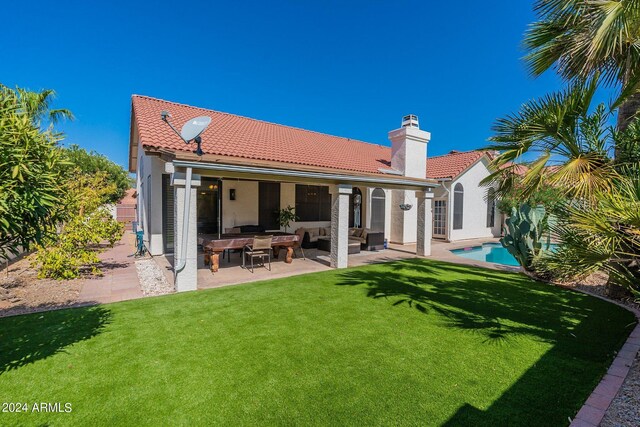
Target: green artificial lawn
<point>403,343</point>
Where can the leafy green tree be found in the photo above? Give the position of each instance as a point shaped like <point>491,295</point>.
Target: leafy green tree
<point>31,190</point>
<point>546,195</point>
<point>92,163</point>
<point>583,39</point>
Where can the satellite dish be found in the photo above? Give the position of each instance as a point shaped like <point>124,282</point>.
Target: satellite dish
<point>191,130</point>
<point>194,127</point>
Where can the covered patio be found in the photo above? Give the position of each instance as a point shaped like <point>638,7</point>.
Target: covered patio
<point>188,259</point>
<point>232,273</point>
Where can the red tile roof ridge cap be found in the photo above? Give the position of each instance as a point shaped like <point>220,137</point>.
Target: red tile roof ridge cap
<point>479,151</point>
<point>260,120</point>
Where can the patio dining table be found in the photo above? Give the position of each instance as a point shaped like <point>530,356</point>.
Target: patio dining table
<point>214,246</point>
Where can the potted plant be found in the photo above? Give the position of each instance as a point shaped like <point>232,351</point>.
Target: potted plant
<point>285,216</point>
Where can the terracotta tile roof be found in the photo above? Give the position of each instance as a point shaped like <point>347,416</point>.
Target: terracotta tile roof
<point>237,136</point>
<point>451,165</point>
<point>129,197</point>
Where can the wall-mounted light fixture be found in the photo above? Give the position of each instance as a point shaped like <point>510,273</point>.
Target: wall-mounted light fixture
<point>405,206</point>
<point>232,194</point>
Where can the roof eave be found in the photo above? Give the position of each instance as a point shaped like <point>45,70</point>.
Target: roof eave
<point>294,175</point>
<point>215,162</point>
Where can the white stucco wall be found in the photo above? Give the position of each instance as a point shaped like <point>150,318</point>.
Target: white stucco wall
<point>474,223</point>
<point>244,209</point>
<point>149,188</point>
<point>403,223</point>
<point>409,151</point>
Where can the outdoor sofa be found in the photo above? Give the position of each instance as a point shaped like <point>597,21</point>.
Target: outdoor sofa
<point>369,240</point>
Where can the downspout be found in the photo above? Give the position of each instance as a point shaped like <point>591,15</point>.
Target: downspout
<point>185,221</point>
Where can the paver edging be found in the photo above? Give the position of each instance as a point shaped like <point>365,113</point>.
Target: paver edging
<point>596,405</point>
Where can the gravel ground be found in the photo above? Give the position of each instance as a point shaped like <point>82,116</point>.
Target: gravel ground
<point>152,280</point>
<point>22,292</point>
<point>596,284</point>
<point>625,408</point>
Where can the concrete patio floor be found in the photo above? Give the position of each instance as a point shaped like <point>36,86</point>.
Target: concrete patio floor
<point>120,278</point>
<point>232,273</point>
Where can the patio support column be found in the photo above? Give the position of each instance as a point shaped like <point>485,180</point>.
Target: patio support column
<point>340,225</point>
<point>425,222</point>
<point>187,278</point>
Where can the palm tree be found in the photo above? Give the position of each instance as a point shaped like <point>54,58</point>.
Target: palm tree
<point>600,237</point>
<point>566,142</point>
<point>36,105</point>
<point>586,38</point>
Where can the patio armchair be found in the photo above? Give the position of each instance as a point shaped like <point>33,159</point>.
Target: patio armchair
<point>261,248</point>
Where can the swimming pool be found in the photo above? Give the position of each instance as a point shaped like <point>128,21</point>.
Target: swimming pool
<point>489,252</point>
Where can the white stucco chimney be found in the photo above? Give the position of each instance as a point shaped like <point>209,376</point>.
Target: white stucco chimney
<point>409,157</point>
<point>409,148</point>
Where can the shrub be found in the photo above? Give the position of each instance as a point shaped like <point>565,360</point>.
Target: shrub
<point>75,248</point>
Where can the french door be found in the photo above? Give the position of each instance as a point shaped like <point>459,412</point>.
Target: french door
<point>440,218</point>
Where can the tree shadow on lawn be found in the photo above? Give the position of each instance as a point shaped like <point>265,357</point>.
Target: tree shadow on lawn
<point>495,304</point>
<point>28,338</point>
<point>584,332</point>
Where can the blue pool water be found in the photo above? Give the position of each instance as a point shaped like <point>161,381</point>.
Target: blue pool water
<point>489,252</point>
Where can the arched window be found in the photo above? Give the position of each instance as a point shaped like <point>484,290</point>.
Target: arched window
<point>458,206</point>
<point>491,207</point>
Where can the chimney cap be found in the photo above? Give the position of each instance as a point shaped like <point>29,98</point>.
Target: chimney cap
<point>410,121</point>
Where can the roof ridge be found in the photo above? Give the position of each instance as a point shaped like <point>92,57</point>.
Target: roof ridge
<point>459,152</point>
<point>260,120</point>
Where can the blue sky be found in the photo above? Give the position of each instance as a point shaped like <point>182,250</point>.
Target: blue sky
<point>345,68</point>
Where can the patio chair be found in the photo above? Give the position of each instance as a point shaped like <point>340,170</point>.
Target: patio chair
<point>298,244</point>
<point>261,248</point>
